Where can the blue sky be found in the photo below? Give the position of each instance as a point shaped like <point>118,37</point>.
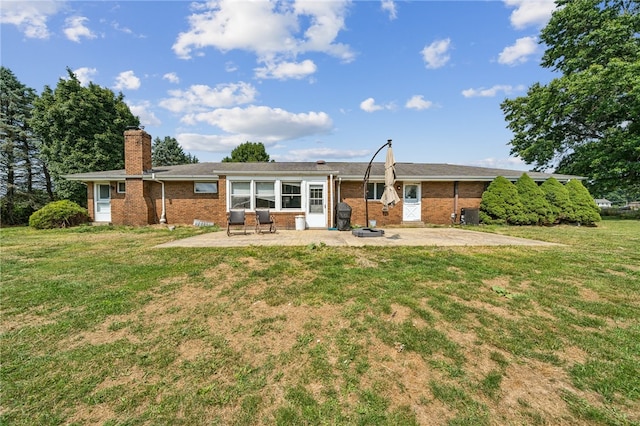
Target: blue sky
<point>312,80</point>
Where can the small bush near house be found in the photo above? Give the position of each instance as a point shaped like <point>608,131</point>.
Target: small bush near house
<point>59,214</point>
<point>500,204</point>
<point>585,209</point>
<point>536,207</point>
<point>558,198</point>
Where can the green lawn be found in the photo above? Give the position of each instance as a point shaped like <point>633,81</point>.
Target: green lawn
<point>100,327</point>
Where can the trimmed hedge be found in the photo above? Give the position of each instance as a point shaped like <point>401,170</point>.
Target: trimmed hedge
<point>59,214</point>
<point>526,203</point>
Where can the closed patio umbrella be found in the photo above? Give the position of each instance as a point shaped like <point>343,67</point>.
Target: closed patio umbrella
<point>389,196</point>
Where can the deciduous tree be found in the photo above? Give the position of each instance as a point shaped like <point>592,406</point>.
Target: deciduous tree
<point>585,122</point>
<point>248,152</point>
<point>82,130</point>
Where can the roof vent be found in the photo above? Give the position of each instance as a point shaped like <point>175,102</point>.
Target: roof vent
<point>321,162</point>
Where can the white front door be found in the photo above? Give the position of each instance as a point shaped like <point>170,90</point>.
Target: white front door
<point>411,205</point>
<point>102,200</point>
<point>317,205</point>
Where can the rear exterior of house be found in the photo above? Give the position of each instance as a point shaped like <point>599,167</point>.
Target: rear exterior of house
<point>142,195</point>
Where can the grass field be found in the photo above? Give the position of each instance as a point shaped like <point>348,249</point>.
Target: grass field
<point>100,327</point>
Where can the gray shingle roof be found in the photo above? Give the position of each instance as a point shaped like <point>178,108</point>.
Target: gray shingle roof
<point>343,170</point>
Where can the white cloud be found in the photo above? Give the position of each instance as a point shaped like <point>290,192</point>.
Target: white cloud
<point>314,154</point>
<point>418,102</point>
<point>390,7</point>
<point>491,92</point>
<point>144,112</point>
<point>85,75</point>
<point>269,29</point>
<point>369,105</point>
<point>75,28</point>
<point>127,80</point>
<point>201,97</point>
<point>30,17</point>
<point>286,70</point>
<point>210,143</point>
<point>436,54</point>
<point>172,77</point>
<point>530,12</point>
<point>263,123</point>
<point>519,52</point>
<point>510,163</point>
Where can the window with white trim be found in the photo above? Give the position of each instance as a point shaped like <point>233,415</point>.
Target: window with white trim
<point>205,187</point>
<point>265,195</point>
<point>121,187</point>
<point>240,195</point>
<point>375,190</point>
<point>291,195</point>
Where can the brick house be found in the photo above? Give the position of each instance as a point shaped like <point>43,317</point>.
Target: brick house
<point>143,195</point>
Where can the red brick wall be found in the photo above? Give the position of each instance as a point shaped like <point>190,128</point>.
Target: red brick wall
<point>137,151</point>
<point>437,202</point>
<point>470,195</point>
<point>137,209</point>
<point>352,193</point>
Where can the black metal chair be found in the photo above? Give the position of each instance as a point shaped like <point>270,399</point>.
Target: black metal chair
<point>236,218</point>
<point>264,218</point>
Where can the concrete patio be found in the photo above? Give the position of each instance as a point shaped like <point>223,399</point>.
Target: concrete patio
<point>392,237</point>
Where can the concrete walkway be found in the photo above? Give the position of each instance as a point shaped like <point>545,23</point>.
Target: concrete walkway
<point>392,237</point>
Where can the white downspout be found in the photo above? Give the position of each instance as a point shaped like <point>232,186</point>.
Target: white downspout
<point>163,216</point>
<point>331,200</point>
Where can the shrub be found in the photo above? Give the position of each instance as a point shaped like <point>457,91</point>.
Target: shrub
<point>536,208</point>
<point>500,204</point>
<point>585,209</point>
<point>558,198</point>
<point>59,214</point>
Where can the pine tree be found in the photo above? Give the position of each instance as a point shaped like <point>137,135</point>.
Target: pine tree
<point>558,198</point>
<point>536,208</point>
<point>500,204</point>
<point>168,152</point>
<point>585,209</point>
<point>26,185</point>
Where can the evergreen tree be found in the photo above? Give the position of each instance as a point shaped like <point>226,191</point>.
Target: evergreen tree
<point>558,198</point>
<point>500,204</point>
<point>585,209</point>
<point>82,130</point>
<point>24,179</point>
<point>248,152</point>
<point>168,152</point>
<point>536,208</point>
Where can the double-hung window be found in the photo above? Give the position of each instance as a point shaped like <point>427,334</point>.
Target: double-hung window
<point>262,194</point>
<point>374,190</point>
<point>291,196</point>
<point>265,195</point>
<point>240,195</point>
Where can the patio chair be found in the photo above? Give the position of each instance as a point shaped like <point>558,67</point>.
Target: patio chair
<point>236,218</point>
<point>264,218</point>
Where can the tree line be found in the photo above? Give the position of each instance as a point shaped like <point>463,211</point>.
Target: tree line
<point>585,122</point>
<point>69,129</point>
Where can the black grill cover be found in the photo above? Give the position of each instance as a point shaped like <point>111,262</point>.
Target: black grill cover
<point>343,217</point>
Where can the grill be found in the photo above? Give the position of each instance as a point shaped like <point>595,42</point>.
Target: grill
<point>343,217</point>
